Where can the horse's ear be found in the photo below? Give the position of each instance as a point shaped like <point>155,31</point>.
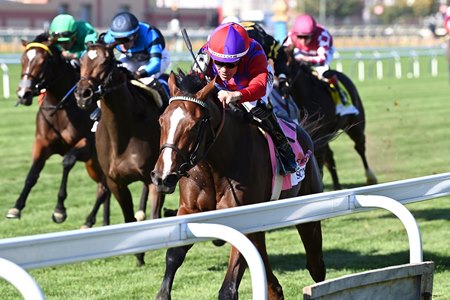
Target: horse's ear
<point>24,42</point>
<point>52,40</point>
<point>204,92</point>
<point>174,90</point>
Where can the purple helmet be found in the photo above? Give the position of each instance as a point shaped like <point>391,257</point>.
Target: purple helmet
<point>228,43</point>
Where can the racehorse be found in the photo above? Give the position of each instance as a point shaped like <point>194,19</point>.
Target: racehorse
<point>61,127</point>
<point>314,99</point>
<point>221,160</point>
<point>127,136</point>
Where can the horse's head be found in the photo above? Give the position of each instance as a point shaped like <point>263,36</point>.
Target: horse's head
<point>186,129</point>
<point>36,63</point>
<point>96,70</point>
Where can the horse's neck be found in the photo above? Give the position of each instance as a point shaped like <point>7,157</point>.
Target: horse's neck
<point>121,112</point>
<point>61,81</point>
<point>233,142</point>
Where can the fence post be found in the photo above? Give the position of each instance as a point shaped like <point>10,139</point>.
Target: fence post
<point>23,282</point>
<point>241,243</point>
<point>6,92</point>
<point>398,209</point>
<point>361,70</point>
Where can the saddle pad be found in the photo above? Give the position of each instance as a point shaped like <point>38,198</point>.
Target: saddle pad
<point>149,91</point>
<point>281,183</point>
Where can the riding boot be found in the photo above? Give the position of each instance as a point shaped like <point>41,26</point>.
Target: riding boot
<point>343,104</point>
<point>95,115</point>
<point>270,124</point>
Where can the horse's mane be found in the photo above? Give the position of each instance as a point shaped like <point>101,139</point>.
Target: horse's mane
<point>42,37</point>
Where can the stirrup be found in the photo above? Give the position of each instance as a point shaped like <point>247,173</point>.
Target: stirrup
<point>95,115</point>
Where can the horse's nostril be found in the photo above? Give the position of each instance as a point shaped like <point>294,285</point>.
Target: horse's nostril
<point>171,180</point>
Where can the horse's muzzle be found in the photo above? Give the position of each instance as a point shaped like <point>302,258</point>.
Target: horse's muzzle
<point>84,97</point>
<point>164,184</point>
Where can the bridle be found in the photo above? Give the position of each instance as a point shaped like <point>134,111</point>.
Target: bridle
<point>189,160</point>
<point>39,79</point>
<point>100,87</point>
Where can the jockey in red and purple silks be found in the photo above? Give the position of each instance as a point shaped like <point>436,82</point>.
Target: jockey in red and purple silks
<point>228,45</point>
<point>241,70</point>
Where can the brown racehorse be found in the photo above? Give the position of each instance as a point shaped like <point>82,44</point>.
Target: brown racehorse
<point>314,100</point>
<point>221,160</point>
<point>127,136</point>
<point>61,127</point>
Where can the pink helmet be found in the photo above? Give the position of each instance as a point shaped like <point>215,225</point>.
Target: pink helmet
<point>304,25</point>
<point>228,43</point>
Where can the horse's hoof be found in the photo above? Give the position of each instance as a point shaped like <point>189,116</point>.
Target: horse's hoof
<point>59,217</point>
<point>163,295</point>
<point>371,178</point>
<point>218,243</point>
<point>139,215</point>
<point>13,213</point>
<point>170,212</point>
<point>84,226</point>
<point>140,260</point>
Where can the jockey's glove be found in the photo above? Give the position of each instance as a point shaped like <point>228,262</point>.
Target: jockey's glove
<point>283,85</point>
<point>140,73</point>
<point>229,96</point>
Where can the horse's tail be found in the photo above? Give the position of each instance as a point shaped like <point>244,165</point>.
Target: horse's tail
<point>313,126</point>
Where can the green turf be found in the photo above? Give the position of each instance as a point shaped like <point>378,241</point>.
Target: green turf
<point>408,130</point>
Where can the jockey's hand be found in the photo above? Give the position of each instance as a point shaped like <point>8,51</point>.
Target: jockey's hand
<point>228,97</point>
<point>67,55</point>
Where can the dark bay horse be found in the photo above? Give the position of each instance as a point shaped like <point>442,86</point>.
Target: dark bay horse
<point>314,99</point>
<point>61,127</point>
<point>221,161</point>
<point>127,136</point>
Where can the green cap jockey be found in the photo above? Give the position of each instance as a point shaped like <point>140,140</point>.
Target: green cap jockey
<point>72,35</point>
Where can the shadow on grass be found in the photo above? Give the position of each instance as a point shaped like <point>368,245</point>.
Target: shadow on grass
<point>348,260</point>
<point>329,187</point>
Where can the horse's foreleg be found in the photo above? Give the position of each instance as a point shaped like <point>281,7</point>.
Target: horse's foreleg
<point>140,214</point>
<point>59,214</point>
<point>123,196</point>
<point>311,235</point>
<point>174,259</point>
<point>103,197</point>
<point>157,202</point>
<point>40,156</point>
<point>237,266</point>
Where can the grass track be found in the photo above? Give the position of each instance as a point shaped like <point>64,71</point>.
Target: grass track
<point>408,135</point>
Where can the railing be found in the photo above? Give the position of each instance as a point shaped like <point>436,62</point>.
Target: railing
<point>52,249</point>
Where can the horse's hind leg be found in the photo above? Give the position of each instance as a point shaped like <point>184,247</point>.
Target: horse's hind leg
<point>330,163</point>
<point>356,133</point>
<point>59,214</point>
<point>237,266</point>
<point>174,259</point>
<point>40,156</point>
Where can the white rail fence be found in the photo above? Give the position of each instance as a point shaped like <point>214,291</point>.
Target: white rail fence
<point>369,62</point>
<point>45,250</point>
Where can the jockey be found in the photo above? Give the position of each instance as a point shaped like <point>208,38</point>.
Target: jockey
<point>240,66</point>
<point>72,37</point>
<point>142,46</point>
<point>143,52</point>
<point>312,43</point>
<point>447,21</point>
